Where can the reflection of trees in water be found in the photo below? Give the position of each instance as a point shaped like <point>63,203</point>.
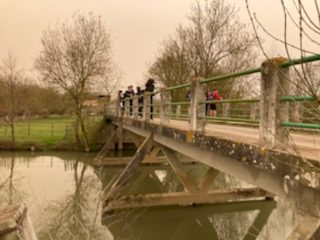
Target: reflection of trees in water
<point>9,182</point>
<point>72,217</point>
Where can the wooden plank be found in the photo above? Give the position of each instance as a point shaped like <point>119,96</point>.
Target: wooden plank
<point>178,169</point>
<point>130,167</point>
<point>10,217</point>
<point>15,221</point>
<point>27,230</point>
<point>208,178</point>
<point>182,198</point>
<point>306,227</point>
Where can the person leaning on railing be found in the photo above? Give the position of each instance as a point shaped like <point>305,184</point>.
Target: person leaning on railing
<point>129,95</point>
<point>150,89</point>
<point>140,100</point>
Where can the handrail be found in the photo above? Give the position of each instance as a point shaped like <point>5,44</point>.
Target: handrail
<point>226,115</point>
<point>312,58</point>
<point>301,125</point>
<point>222,77</point>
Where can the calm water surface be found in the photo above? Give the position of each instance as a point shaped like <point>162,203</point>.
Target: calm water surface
<point>63,193</point>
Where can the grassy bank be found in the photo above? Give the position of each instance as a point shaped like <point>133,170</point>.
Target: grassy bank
<point>45,133</point>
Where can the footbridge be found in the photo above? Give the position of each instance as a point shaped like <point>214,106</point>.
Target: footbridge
<point>272,142</point>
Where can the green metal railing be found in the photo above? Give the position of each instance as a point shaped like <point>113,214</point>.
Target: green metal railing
<point>242,107</point>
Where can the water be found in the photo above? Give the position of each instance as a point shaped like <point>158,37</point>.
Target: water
<point>63,195</point>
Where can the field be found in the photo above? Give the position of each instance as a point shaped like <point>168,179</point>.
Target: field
<point>46,131</point>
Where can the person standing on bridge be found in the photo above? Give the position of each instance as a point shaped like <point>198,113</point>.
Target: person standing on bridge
<point>140,101</point>
<point>150,89</point>
<point>213,108</point>
<point>129,95</point>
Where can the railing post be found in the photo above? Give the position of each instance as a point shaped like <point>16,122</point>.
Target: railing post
<point>126,107</point>
<point>178,110</point>
<point>165,106</point>
<point>295,106</point>
<point>146,106</point>
<point>274,84</point>
<point>254,107</point>
<point>118,106</point>
<point>225,109</point>
<point>295,112</point>
<point>135,106</point>
<point>197,108</point>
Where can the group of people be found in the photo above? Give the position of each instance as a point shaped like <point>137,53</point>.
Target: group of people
<point>211,108</point>
<point>129,93</point>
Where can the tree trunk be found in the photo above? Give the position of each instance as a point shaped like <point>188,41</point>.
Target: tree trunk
<point>85,136</point>
<point>76,131</point>
<point>80,121</point>
<point>12,127</point>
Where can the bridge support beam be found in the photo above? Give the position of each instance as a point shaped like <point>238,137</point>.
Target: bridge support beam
<point>182,199</point>
<point>178,169</point>
<point>208,178</point>
<point>274,84</point>
<point>130,168</point>
<point>306,198</point>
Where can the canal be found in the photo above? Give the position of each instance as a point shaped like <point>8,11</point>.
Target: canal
<point>63,194</point>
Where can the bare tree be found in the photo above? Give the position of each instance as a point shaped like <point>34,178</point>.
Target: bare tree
<point>301,19</point>
<point>11,77</point>
<point>109,83</point>
<point>73,56</point>
<point>214,42</point>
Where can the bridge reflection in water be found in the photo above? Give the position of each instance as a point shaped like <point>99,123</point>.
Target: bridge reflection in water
<point>237,219</point>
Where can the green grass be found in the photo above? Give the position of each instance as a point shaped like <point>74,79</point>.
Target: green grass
<point>47,131</point>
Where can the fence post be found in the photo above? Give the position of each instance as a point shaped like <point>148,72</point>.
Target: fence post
<point>197,106</point>
<point>225,109</point>
<point>274,84</point>
<point>165,106</point>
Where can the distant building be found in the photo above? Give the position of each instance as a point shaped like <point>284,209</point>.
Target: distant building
<point>95,105</point>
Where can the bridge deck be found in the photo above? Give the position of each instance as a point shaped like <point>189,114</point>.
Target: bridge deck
<point>307,144</point>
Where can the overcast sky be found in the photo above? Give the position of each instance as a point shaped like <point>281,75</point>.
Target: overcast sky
<point>138,26</point>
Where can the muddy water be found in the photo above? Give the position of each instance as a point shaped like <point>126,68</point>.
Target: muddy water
<point>62,192</point>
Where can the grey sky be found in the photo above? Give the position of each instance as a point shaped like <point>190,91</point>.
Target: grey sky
<point>138,26</point>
